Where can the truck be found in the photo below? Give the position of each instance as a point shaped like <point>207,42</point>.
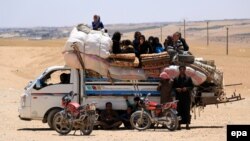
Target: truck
<point>41,99</point>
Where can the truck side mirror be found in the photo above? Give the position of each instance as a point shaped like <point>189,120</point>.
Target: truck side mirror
<point>38,84</point>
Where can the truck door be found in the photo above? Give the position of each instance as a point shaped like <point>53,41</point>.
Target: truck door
<point>49,90</point>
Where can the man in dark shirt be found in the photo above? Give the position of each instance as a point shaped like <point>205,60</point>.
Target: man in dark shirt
<point>182,87</point>
<point>109,119</point>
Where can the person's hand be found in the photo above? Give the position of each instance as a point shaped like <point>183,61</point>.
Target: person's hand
<point>178,90</point>
<point>184,89</point>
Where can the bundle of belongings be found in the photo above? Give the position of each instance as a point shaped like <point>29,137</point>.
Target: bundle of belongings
<point>95,47</point>
<point>124,60</point>
<point>154,63</point>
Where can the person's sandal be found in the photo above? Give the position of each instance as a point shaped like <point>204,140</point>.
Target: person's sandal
<point>179,127</point>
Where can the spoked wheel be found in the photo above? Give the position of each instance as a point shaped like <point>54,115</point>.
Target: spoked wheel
<point>88,125</point>
<point>140,121</point>
<point>172,121</point>
<point>61,124</point>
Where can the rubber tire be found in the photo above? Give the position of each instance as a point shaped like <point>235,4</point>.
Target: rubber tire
<point>175,122</point>
<point>51,117</point>
<point>186,58</point>
<point>58,131</point>
<point>137,115</point>
<point>91,126</point>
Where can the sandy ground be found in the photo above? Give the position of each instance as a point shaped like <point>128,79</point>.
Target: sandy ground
<point>19,64</point>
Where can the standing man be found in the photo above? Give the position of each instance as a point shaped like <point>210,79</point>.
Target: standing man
<point>182,87</point>
<point>97,24</point>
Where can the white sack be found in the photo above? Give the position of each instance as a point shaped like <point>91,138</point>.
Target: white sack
<point>93,42</point>
<point>196,76</point>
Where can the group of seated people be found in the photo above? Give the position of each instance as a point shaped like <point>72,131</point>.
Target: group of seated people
<point>142,46</point>
<point>109,119</point>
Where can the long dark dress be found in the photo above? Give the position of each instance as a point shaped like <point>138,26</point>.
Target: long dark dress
<point>183,106</point>
<point>165,90</point>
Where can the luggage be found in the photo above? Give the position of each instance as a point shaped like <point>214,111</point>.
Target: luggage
<point>196,76</point>
<point>124,60</point>
<point>89,42</point>
<point>153,64</point>
<point>186,58</point>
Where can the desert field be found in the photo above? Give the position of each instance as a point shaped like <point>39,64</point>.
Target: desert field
<point>23,60</point>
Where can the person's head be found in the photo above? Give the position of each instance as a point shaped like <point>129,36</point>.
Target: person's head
<point>117,36</point>
<point>176,36</point>
<point>129,109</point>
<point>151,39</point>
<point>63,78</point>
<point>168,41</point>
<point>164,76</point>
<point>142,39</point>
<point>137,35</point>
<point>126,42</point>
<point>136,99</point>
<point>108,106</point>
<point>182,69</point>
<point>95,18</point>
<point>156,40</point>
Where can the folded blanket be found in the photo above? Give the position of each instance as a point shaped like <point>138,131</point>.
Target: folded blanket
<point>127,56</point>
<point>120,63</point>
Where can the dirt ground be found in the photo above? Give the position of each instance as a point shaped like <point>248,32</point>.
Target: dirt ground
<point>19,64</point>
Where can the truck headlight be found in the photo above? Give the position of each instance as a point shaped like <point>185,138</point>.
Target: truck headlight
<point>23,100</point>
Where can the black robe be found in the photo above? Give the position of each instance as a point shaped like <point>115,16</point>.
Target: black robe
<point>183,106</point>
<point>165,87</point>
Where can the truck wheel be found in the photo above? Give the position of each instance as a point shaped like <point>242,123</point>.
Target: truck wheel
<point>51,116</point>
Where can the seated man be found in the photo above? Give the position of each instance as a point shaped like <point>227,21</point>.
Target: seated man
<point>109,119</point>
<point>126,117</point>
<point>65,78</point>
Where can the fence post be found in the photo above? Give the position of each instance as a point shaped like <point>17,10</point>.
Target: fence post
<point>184,29</point>
<point>207,35</point>
<point>227,40</point>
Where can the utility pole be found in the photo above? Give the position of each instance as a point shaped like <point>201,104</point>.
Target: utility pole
<point>184,29</point>
<point>227,40</point>
<point>207,35</point>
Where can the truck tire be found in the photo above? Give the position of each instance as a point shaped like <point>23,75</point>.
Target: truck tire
<point>51,116</point>
<point>186,58</point>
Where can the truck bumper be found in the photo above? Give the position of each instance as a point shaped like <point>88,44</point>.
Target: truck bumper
<point>24,113</point>
<point>26,119</point>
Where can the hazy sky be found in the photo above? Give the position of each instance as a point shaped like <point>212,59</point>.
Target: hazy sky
<point>30,13</point>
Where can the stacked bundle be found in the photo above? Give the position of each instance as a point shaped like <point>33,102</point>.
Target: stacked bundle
<point>124,60</point>
<point>154,63</point>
